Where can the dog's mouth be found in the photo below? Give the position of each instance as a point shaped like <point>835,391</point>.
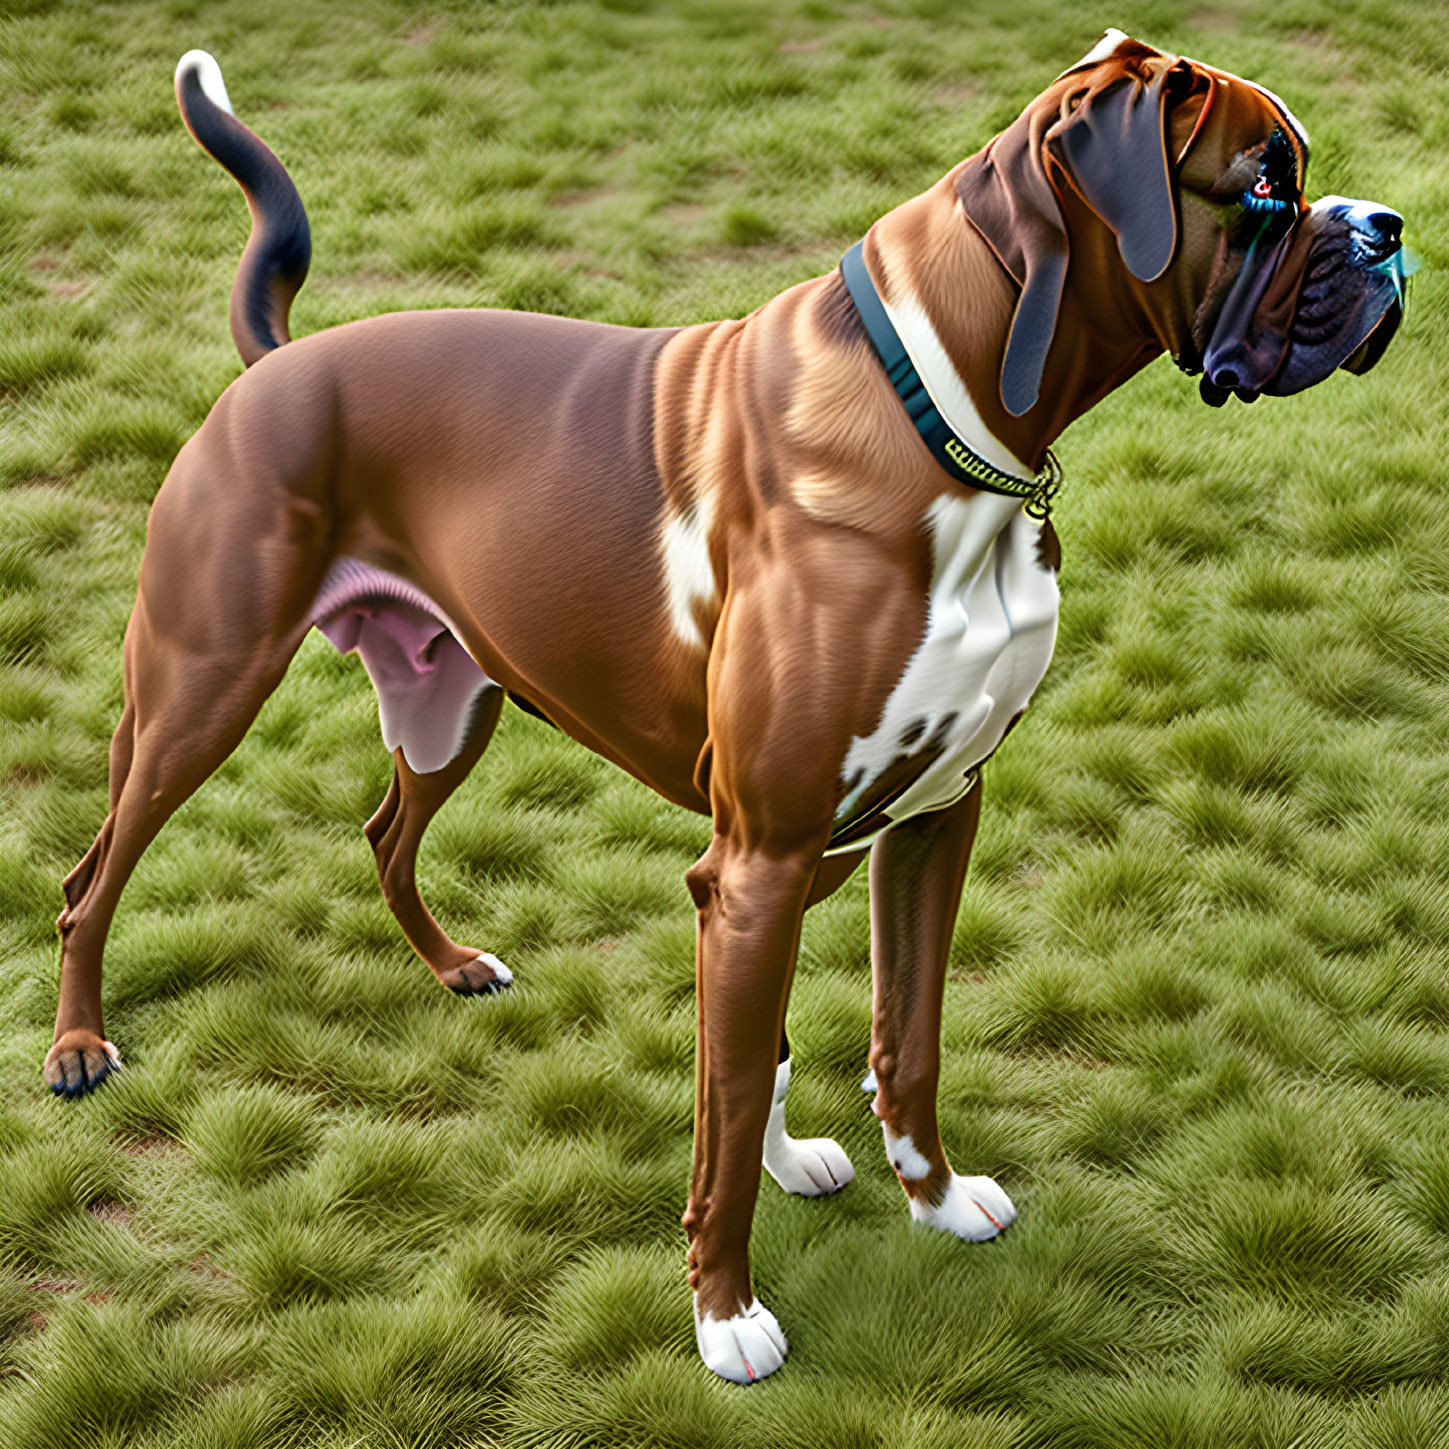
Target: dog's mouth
<point>1329,294</point>
<point>1372,348</point>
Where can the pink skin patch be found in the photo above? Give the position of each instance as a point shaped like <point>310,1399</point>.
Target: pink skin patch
<point>426,682</point>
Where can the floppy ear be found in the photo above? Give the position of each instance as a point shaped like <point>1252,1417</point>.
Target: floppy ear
<point>1007,197</point>
<point>1111,146</point>
<point>1113,149</point>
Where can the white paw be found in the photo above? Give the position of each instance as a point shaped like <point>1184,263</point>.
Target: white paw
<point>811,1168</point>
<point>501,974</point>
<point>499,978</point>
<point>974,1208</point>
<point>744,1348</point>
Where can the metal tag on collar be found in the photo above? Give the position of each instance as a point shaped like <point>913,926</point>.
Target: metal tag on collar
<point>1039,505</point>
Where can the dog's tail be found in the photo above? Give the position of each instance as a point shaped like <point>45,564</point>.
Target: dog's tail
<point>274,264</point>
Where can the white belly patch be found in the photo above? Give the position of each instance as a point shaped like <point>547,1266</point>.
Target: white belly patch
<point>991,624</point>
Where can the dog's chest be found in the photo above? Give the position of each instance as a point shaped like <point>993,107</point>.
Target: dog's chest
<point>990,627</point>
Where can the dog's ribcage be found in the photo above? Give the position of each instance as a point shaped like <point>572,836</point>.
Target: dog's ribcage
<point>990,627</point>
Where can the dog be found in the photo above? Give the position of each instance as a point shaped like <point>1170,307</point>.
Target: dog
<point>795,571</point>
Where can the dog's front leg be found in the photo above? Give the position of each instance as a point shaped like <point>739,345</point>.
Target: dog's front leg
<point>750,903</point>
<point>917,870</point>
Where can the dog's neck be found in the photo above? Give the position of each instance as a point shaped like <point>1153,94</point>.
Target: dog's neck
<point>929,262</point>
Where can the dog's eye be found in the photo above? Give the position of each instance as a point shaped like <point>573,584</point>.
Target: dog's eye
<point>1269,203</point>
<point>1279,166</point>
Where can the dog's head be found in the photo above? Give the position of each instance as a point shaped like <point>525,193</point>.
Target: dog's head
<point>1197,177</point>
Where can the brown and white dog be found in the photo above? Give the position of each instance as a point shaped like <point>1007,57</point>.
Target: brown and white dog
<point>722,557</point>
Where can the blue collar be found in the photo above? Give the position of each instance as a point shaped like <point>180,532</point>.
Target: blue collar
<point>950,450</point>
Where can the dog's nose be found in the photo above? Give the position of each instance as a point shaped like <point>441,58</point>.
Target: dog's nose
<point>1387,227</point>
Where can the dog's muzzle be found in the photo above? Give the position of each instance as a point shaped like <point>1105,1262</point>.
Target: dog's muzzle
<point>1330,294</point>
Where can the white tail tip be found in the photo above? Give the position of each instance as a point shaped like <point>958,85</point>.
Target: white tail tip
<point>208,72</point>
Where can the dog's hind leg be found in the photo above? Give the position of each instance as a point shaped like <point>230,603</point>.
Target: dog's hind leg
<point>226,581</point>
<point>395,832</point>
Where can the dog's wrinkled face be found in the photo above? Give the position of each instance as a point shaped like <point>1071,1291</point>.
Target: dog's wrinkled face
<point>1326,291</point>
<point>1199,175</point>
<point>1294,291</point>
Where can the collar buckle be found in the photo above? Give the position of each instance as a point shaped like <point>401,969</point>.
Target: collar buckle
<point>1048,481</point>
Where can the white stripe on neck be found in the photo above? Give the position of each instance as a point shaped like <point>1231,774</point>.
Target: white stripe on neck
<point>946,389</point>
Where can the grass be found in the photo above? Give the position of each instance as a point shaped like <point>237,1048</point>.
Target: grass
<point>1197,1021</point>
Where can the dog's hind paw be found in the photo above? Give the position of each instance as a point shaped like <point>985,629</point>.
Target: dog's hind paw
<point>974,1208</point>
<point>78,1062</point>
<point>812,1167</point>
<point>485,975</point>
<point>742,1349</point>
<point>809,1167</point>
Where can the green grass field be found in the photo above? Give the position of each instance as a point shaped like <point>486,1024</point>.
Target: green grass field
<point>1197,1018</point>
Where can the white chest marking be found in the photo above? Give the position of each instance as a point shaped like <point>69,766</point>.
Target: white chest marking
<point>688,573</point>
<point>991,623</point>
